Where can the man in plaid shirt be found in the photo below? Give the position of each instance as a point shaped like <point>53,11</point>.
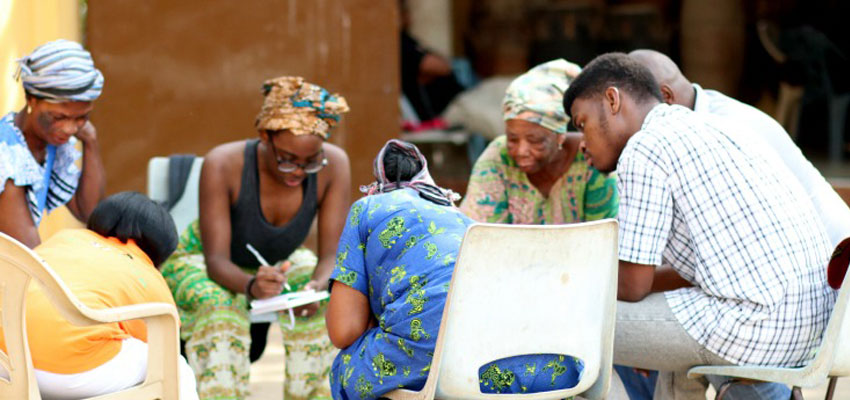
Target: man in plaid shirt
<point>722,255</point>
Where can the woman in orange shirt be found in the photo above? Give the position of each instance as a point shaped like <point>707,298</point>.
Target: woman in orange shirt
<point>110,264</point>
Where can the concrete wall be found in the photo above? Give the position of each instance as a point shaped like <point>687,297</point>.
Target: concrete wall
<point>184,76</point>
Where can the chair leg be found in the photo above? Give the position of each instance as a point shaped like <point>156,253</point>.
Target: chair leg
<point>830,390</point>
<point>721,391</point>
<point>796,393</point>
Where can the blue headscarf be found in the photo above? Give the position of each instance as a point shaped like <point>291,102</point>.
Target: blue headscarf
<point>60,71</point>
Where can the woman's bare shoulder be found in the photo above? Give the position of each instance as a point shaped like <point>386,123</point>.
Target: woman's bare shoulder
<point>337,160</point>
<point>226,156</point>
<point>338,165</point>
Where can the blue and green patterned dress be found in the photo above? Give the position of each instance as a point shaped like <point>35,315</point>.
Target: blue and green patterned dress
<point>399,250</point>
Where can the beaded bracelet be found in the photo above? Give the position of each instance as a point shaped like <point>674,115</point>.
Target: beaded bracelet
<point>248,290</point>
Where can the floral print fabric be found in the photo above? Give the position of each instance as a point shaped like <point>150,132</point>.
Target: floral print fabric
<point>499,192</point>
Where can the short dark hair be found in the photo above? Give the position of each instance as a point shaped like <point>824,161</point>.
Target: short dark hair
<point>612,69</point>
<point>131,215</point>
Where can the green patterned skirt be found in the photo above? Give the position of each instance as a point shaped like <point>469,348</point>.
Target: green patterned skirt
<point>215,323</point>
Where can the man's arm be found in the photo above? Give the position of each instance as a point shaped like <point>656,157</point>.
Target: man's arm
<point>636,281</point>
<point>432,67</point>
<point>92,187</point>
<point>666,278</point>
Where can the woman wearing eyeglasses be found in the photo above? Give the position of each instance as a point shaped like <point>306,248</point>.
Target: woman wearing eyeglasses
<point>265,193</point>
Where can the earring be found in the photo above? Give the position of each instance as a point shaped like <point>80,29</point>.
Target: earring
<point>560,146</point>
<point>29,109</point>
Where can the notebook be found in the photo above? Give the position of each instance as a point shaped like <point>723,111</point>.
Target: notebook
<point>287,301</point>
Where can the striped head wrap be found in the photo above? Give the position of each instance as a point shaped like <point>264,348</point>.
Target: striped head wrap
<point>422,182</point>
<point>60,71</point>
<point>537,96</point>
<point>299,107</point>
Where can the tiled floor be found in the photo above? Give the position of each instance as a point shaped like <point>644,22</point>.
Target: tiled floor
<point>267,375</point>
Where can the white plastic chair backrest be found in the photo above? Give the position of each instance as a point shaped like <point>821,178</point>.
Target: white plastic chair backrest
<point>523,289</point>
<point>836,338</point>
<point>14,281</point>
<point>18,267</point>
<point>185,211</point>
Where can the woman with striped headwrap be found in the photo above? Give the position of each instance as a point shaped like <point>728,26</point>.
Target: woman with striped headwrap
<point>538,173</point>
<point>37,144</point>
<point>264,193</point>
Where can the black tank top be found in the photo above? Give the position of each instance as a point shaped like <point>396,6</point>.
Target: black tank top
<point>248,225</point>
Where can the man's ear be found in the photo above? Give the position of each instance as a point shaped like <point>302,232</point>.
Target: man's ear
<point>612,100</point>
<point>668,94</point>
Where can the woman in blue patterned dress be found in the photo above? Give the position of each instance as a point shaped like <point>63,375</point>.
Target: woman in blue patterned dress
<point>394,266</point>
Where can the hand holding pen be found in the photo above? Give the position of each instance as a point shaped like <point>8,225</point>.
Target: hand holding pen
<point>270,280</point>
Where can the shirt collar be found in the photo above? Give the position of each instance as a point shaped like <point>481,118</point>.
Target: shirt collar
<point>700,101</point>
<point>659,108</point>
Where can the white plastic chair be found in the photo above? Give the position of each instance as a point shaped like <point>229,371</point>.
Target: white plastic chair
<point>18,266</point>
<point>185,211</point>
<point>525,289</point>
<point>832,359</point>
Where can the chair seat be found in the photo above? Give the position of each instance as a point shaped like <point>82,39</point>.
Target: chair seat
<point>789,376</point>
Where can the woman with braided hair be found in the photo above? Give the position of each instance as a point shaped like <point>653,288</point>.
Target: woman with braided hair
<point>265,193</point>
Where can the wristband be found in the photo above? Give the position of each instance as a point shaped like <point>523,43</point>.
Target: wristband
<point>248,290</point>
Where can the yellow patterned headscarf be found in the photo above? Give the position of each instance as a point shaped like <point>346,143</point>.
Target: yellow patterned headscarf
<point>299,107</point>
<point>537,96</point>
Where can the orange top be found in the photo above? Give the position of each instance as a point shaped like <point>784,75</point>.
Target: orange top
<point>102,273</point>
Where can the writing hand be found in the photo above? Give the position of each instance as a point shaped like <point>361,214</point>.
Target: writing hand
<point>268,282</point>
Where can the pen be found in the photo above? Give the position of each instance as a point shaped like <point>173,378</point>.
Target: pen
<point>264,262</point>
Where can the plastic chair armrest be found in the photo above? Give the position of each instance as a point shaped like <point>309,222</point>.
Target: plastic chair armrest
<point>789,376</point>
<point>127,313</point>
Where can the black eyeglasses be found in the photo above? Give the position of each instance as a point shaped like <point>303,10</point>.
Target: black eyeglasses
<point>289,166</point>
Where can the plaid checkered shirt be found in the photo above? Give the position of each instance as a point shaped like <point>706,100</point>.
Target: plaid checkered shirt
<point>743,233</point>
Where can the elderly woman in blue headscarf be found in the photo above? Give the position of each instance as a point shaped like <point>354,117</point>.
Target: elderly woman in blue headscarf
<point>37,144</point>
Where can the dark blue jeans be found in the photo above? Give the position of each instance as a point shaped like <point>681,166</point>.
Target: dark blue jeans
<point>640,387</point>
